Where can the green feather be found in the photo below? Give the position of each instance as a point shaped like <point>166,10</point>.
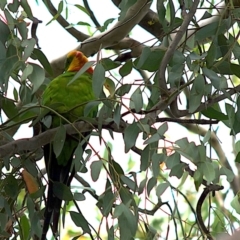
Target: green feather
<point>69,100</point>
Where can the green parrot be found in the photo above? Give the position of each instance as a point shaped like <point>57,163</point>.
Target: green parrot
<point>69,100</point>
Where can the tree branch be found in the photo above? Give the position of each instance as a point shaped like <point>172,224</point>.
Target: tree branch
<point>173,46</point>
<point>111,37</point>
<point>31,144</point>
<point>91,14</point>
<point>206,191</point>
<point>120,30</point>
<point>150,22</point>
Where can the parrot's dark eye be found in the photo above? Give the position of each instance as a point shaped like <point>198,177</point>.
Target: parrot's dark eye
<point>67,63</point>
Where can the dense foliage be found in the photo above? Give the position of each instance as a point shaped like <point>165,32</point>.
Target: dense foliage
<point>174,101</point>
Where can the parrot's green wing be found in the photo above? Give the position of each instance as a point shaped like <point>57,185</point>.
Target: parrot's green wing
<point>68,100</point>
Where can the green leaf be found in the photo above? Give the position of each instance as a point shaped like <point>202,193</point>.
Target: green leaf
<point>4,220</point>
<point>28,45</point>
<point>126,196</point>
<point>188,150</point>
<point>154,138</point>
<point>196,93</point>
<point>208,171</point>
<point>146,155</point>
<point>225,67</point>
<point>126,68</point>
<point>124,89</point>
<point>26,72</point>
<point>136,100</point>
<point>105,25</point>
<point>3,3</point>
<point>117,114</point>
<point>177,170</point>
<point>10,19</point>
<point>110,233</point>
<point>62,191</point>
<point>11,188</point>
<point>236,203</point>
<point>161,10</point>
<point>172,12</point>
<point>37,77</point>
<point>8,66</point>
<point>150,59</point>
<point>98,80</point>
<point>212,53</point>
<point>124,6</point>
<point>4,33</point>
<point>27,8</point>
<point>130,136</point>
<point>38,194</point>
<point>142,185</point>
<point>59,140</point>
<point>218,82</point>
<point>162,129</point>
<point>207,137</point>
<point>116,168</point>
<point>109,64</point>
<point>157,159</point>
<point>238,158</point>
<point>130,183</point>
<point>25,227</point>
<point>172,160</point>
<point>80,7</point>
<point>151,184</point>
<point>237,146</point>
<point>90,107</point>
<point>39,55</point>
<point>79,196</point>
<point>96,167</point>
<point>177,59</point>
<point>175,75</point>
<point>22,28</point>
<point>235,69</point>
<point>82,24</point>
<point>230,110</point>
<point>106,200</point>
<point>80,221</point>
<point>13,7</point>
<point>210,30</point>
<point>214,112</point>
<point>228,173</point>
<point>161,188</point>
<point>127,223</point>
<point>198,178</point>
<point>60,9</point>
<point>36,227</point>
<point>85,67</point>
<point>8,106</point>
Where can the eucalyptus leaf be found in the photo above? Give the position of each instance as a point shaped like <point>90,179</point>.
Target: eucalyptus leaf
<point>59,140</point>
<point>62,191</point>
<point>80,221</point>
<point>96,169</point>
<point>130,135</point>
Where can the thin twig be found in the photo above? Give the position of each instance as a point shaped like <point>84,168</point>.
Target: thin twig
<point>65,24</point>
<point>91,14</point>
<point>206,191</point>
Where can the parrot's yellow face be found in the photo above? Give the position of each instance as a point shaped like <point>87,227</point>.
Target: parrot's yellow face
<point>75,61</point>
